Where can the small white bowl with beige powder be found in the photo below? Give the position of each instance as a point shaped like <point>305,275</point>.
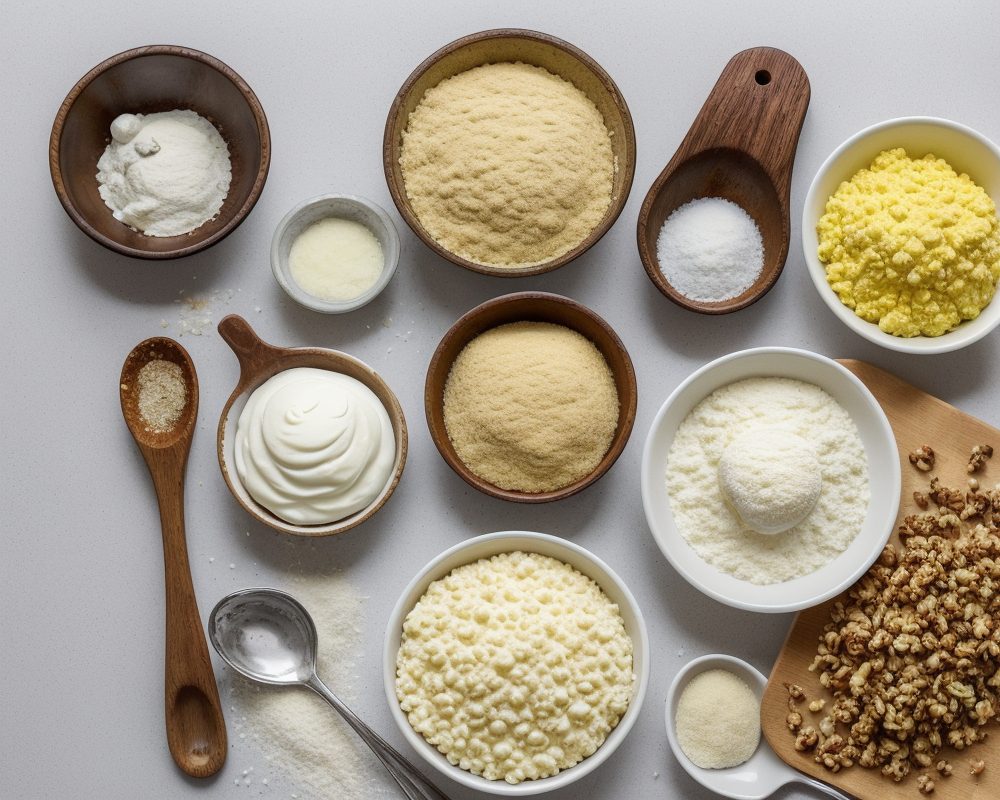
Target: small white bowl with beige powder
<point>770,479</point>
<point>335,253</point>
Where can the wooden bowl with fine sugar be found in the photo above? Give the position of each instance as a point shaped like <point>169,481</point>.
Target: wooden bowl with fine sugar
<point>533,307</point>
<point>529,47</point>
<point>143,81</point>
<point>741,148</point>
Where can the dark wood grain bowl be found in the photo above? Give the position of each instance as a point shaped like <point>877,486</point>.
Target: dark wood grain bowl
<point>535,307</point>
<point>146,80</point>
<point>741,148</point>
<point>530,47</point>
<point>260,361</point>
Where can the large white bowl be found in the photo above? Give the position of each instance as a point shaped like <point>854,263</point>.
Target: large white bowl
<point>505,542</point>
<point>965,149</point>
<point>883,470</point>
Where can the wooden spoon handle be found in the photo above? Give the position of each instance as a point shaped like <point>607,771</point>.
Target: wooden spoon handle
<point>254,354</point>
<point>196,730</point>
<point>757,106</point>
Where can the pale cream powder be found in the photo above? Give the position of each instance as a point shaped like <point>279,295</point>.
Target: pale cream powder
<point>714,529</point>
<point>507,164</point>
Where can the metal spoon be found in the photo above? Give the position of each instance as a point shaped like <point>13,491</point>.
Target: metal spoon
<point>269,637</point>
<point>196,730</point>
<point>763,773</point>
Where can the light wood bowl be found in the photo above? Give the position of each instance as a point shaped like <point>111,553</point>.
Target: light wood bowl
<point>529,47</point>
<point>537,307</point>
<point>260,361</point>
<point>143,81</point>
<point>740,147</point>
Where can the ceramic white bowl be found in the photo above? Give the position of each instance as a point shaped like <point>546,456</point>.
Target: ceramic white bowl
<point>357,209</point>
<point>504,542</point>
<point>965,149</point>
<point>883,469</point>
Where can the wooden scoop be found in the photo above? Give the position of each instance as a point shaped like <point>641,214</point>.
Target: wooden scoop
<point>196,730</point>
<point>740,147</point>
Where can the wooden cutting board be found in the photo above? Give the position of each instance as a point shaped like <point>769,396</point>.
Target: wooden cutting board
<point>917,418</point>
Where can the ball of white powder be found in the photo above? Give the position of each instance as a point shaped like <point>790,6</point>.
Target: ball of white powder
<point>771,478</point>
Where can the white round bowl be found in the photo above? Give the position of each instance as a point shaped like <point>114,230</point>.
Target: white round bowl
<point>965,149</point>
<point>344,206</point>
<point>505,542</point>
<point>883,470</point>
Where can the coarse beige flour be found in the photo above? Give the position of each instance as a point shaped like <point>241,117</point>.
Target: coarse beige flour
<point>507,164</point>
<point>715,531</point>
<point>530,406</point>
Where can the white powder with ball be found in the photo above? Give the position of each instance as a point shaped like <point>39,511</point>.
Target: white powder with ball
<point>164,174</point>
<point>710,250</point>
<point>714,528</point>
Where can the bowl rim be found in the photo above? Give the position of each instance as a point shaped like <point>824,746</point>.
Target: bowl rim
<point>281,269</point>
<point>247,384</point>
<point>615,207</point>
<point>626,410</point>
<point>427,751</point>
<point>954,339</point>
<point>55,144</point>
<point>648,467</point>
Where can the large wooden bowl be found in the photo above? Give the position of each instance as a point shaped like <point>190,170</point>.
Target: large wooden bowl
<point>529,47</point>
<point>143,81</point>
<point>536,307</point>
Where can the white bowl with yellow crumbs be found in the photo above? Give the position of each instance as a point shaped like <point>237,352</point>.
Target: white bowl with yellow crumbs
<point>497,696</point>
<point>953,289</point>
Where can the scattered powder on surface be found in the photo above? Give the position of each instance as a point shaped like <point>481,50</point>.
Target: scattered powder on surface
<point>162,394</point>
<point>718,720</point>
<point>530,406</point>
<point>196,311</point>
<point>710,250</point>
<point>164,174</point>
<point>336,259</point>
<point>287,741</point>
<point>712,527</point>
<point>507,164</point>
<point>911,245</point>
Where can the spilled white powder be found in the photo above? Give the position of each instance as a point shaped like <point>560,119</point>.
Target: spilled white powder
<point>715,531</point>
<point>288,741</point>
<point>164,174</point>
<point>710,250</point>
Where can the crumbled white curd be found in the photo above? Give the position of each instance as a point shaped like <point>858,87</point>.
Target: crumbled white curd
<point>515,667</point>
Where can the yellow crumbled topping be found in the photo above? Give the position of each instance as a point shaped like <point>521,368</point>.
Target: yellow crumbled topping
<point>910,244</point>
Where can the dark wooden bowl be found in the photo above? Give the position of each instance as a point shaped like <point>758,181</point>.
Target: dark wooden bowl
<point>530,47</point>
<point>145,80</point>
<point>741,148</point>
<point>536,307</point>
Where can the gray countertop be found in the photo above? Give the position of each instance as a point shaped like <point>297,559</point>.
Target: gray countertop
<point>80,560</point>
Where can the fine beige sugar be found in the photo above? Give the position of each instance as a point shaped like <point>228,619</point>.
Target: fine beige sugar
<point>530,406</point>
<point>162,394</point>
<point>507,165</point>
<point>718,720</point>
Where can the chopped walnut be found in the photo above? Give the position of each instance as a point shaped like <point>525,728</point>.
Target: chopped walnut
<point>911,655</point>
<point>793,721</point>
<point>925,784</point>
<point>981,453</point>
<point>921,499</point>
<point>923,458</point>
<point>795,692</point>
<point>977,767</point>
<point>817,705</point>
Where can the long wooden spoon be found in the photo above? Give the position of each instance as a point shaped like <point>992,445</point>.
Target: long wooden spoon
<point>196,730</point>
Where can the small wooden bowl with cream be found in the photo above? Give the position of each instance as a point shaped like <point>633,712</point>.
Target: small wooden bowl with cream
<point>260,361</point>
<point>530,307</point>
<point>507,46</point>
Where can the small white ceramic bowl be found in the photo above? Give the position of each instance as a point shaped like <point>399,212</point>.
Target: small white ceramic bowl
<point>965,149</point>
<point>505,542</point>
<point>883,470</point>
<point>344,206</point>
